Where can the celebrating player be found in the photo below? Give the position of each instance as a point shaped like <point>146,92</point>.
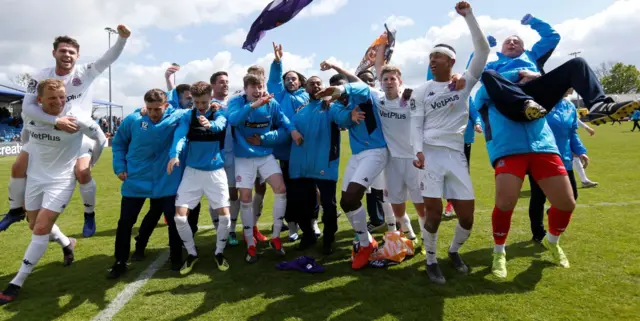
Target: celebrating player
<point>77,80</point>
<point>439,119</point>
<point>51,177</point>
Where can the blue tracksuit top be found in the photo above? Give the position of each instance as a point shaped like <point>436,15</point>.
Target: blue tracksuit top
<point>368,134</point>
<point>141,149</point>
<point>563,120</point>
<point>289,102</point>
<point>201,155</point>
<point>246,121</point>
<point>474,119</point>
<point>635,115</point>
<point>318,156</point>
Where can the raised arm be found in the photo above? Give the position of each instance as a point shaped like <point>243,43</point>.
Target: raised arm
<point>325,65</point>
<point>114,52</point>
<point>275,84</point>
<point>120,146</point>
<point>549,37</point>
<point>31,108</point>
<point>480,44</point>
<point>92,130</point>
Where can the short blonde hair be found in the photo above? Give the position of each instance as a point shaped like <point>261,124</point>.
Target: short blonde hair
<point>387,69</point>
<point>256,70</point>
<point>50,84</point>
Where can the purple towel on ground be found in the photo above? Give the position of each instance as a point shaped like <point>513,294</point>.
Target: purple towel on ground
<point>303,263</point>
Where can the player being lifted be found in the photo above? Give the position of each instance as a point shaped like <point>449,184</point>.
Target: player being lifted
<point>51,176</point>
<point>439,118</point>
<point>77,81</point>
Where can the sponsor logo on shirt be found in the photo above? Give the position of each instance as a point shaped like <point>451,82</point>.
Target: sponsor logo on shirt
<point>444,102</point>
<point>431,93</point>
<point>72,97</point>
<point>392,115</point>
<point>256,125</point>
<point>45,136</point>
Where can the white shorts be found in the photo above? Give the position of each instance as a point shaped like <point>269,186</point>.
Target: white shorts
<point>248,169</point>
<point>446,174</point>
<point>365,167</point>
<point>402,178</point>
<point>230,168</point>
<point>87,147</point>
<point>195,183</point>
<point>53,196</point>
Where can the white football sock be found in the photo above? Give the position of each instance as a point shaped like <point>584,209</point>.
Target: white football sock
<point>577,167</point>
<point>222,233</point>
<point>246,212</point>
<point>34,253</point>
<point>234,208</point>
<point>422,221</point>
<point>498,248</point>
<point>214,217</point>
<point>17,188</point>
<point>279,207</point>
<point>431,244</point>
<point>358,220</point>
<point>186,234</point>
<point>460,236</point>
<point>389,217</point>
<point>405,223</point>
<point>88,192</point>
<point>57,236</point>
<point>552,238</point>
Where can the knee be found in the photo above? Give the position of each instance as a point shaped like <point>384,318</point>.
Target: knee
<point>245,196</point>
<point>349,203</point>
<point>433,208</point>
<point>505,204</point>
<point>566,205</point>
<point>280,189</point>
<point>466,222</point>
<point>260,188</point>
<point>83,175</point>
<point>40,230</point>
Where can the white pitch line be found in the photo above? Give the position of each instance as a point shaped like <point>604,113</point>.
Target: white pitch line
<point>130,290</point>
<point>127,293</point>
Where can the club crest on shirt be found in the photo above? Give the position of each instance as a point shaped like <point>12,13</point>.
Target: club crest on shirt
<point>76,81</point>
<point>33,86</point>
<point>144,125</point>
<point>412,104</point>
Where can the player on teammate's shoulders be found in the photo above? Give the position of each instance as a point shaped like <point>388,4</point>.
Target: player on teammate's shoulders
<point>77,81</point>
<point>201,134</point>
<point>140,156</point>
<point>439,116</point>
<point>252,115</point>
<point>51,178</point>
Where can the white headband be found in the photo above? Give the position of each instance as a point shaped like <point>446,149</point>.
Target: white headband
<point>444,50</point>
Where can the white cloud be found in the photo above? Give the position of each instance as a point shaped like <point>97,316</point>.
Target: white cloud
<point>180,38</point>
<point>374,27</point>
<point>396,22</point>
<point>149,57</point>
<point>235,38</point>
<point>322,8</point>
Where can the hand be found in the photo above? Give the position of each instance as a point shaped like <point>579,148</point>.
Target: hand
<point>215,106</point>
<point>492,41</point>
<point>277,51</point>
<point>357,115</point>
<point>463,8</point>
<point>254,140</point>
<point>526,19</point>
<point>170,71</point>
<point>262,101</point>
<point>327,101</point>
<point>173,162</point>
<point>591,131</point>
<point>325,65</point>
<point>419,163</point>
<point>585,160</point>
<point>478,128</point>
<point>143,111</point>
<point>297,137</point>
<point>122,176</point>
<point>204,122</point>
<point>331,91</point>
<point>458,82</point>
<point>124,31</point>
<point>406,94</point>
<point>527,76</point>
<point>67,124</point>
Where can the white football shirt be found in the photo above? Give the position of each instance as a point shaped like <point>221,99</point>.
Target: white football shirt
<point>396,125</point>
<point>53,153</point>
<point>442,114</point>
